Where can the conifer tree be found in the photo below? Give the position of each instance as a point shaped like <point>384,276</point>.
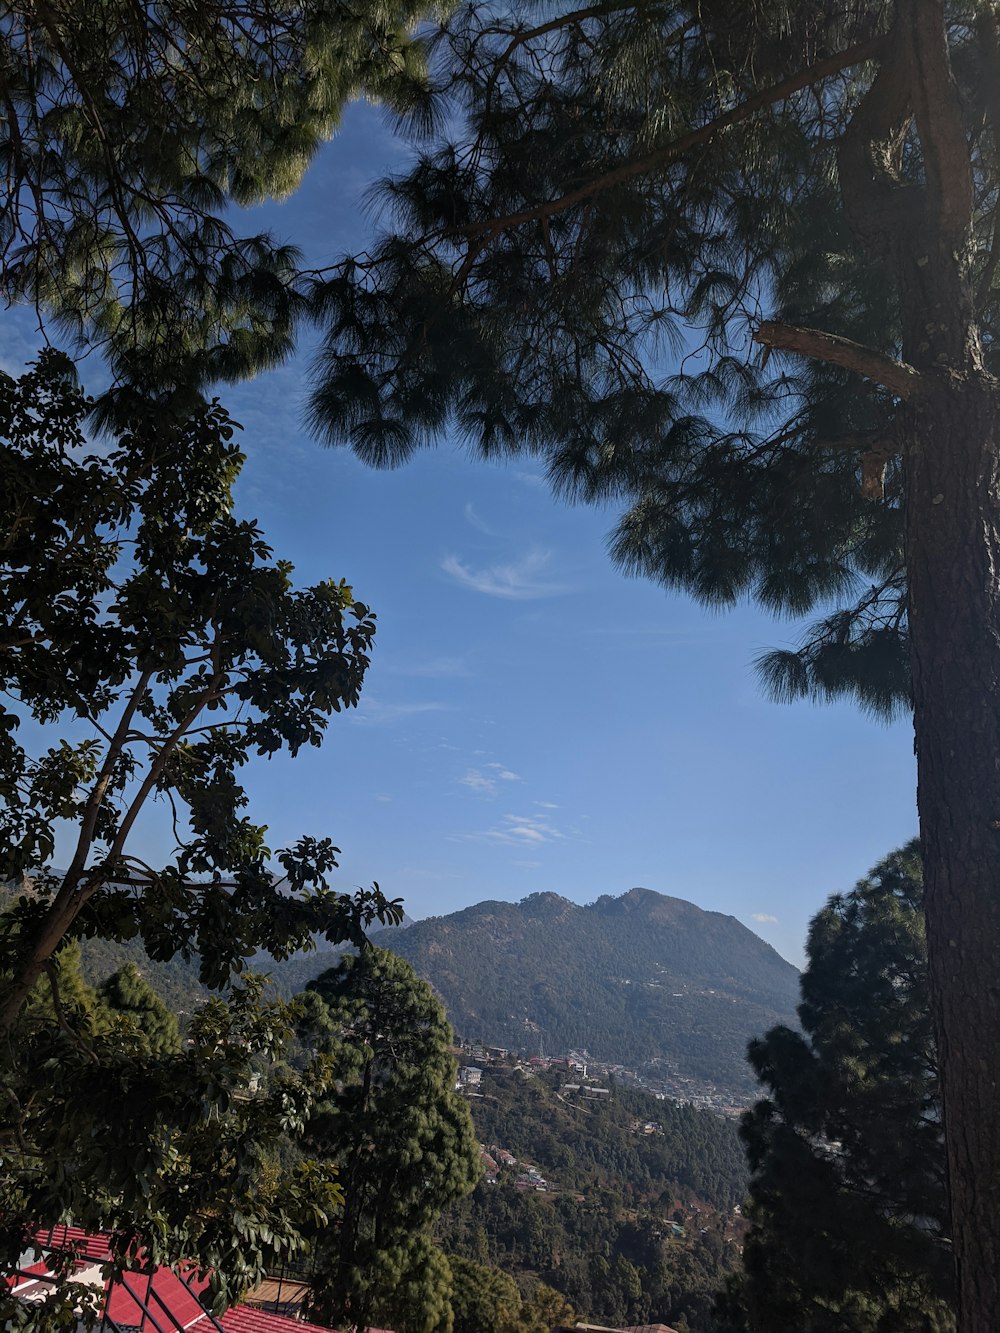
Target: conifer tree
<point>127,994</point>
<point>848,1198</point>
<point>64,996</point>
<point>125,138</point>
<point>402,1139</point>
<point>484,1300</point>
<point>623,182</point>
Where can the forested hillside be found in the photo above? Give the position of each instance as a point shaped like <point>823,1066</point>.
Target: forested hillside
<point>634,1225</point>
<point>636,979</point>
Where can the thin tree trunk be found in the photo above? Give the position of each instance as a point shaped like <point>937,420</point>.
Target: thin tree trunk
<point>953,556</point>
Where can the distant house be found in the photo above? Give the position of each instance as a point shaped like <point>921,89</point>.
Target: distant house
<point>596,1094</point>
<point>490,1168</point>
<point>506,1158</point>
<point>470,1076</point>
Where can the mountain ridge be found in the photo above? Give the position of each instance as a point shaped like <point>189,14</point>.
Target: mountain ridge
<point>639,979</point>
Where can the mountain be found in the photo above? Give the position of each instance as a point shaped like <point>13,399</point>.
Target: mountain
<point>644,980</point>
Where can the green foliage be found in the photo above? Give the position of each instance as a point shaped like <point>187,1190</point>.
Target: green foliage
<point>171,647</point>
<point>603,1236</point>
<point>601,203</point>
<point>130,998</point>
<point>151,646</point>
<point>127,135</point>
<point>484,1300</point>
<point>605,978</point>
<point>167,1150</point>
<point>401,1138</point>
<point>850,1219</point>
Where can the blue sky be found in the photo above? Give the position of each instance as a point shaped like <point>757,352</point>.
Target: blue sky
<point>533,720</point>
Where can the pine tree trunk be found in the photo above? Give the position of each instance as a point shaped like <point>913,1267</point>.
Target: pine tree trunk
<point>953,557</point>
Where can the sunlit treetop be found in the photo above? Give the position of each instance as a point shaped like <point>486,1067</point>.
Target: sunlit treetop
<point>128,130</point>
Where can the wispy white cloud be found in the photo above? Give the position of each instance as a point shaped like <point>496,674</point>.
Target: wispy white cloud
<point>528,478</point>
<point>520,580</point>
<point>485,784</point>
<point>546,805</point>
<point>377,712</point>
<point>519,831</point>
<point>432,668</point>
<point>474,521</point>
<point>527,865</point>
<point>764,918</point>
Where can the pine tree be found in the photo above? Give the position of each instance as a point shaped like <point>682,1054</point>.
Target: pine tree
<point>402,1139</point>
<point>632,178</point>
<point>128,995</point>
<point>63,997</point>
<point>125,138</point>
<point>848,1199</point>
<point>484,1300</point>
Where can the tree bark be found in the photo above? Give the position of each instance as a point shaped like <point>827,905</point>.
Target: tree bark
<point>921,230</point>
<point>952,469</point>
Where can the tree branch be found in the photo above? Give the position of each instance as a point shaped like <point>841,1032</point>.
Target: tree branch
<point>70,897</point>
<point>859,439</point>
<point>670,152</point>
<point>896,376</point>
<point>939,121</point>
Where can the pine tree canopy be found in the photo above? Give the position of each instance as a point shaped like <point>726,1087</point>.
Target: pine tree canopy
<point>850,1219</point>
<point>583,270</point>
<point>127,995</point>
<point>127,131</point>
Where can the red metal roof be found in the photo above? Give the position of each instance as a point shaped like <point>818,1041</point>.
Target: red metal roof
<point>126,1296</point>
<point>245,1319</point>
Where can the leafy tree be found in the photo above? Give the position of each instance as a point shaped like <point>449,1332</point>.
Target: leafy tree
<point>127,994</point>
<point>125,139</point>
<point>850,1219</point>
<point>167,1151</point>
<point>402,1139</point>
<point>155,632</point>
<point>620,179</point>
<point>140,613</point>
